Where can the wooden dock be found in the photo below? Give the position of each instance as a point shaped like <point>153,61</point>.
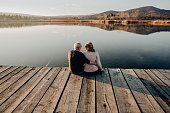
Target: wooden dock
<point>55,90</point>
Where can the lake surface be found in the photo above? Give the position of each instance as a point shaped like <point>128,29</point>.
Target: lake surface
<point>119,47</point>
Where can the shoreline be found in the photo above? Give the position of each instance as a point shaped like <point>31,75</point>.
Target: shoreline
<point>107,22</point>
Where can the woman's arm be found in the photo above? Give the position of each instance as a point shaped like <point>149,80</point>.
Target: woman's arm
<point>99,65</point>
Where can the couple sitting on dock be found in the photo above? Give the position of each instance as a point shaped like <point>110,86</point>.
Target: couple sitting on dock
<point>84,63</point>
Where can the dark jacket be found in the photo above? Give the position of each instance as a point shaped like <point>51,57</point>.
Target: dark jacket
<point>76,61</point>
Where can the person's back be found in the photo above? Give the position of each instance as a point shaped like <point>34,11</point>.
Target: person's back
<point>94,57</point>
<point>76,61</point>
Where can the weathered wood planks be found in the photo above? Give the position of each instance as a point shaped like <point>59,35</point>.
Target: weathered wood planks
<point>70,97</point>
<point>162,98</point>
<point>105,98</point>
<point>10,104</point>
<point>46,89</point>
<point>166,73</point>
<point>141,94</point>
<point>51,98</point>
<point>158,81</point>
<point>3,68</point>
<point>30,102</point>
<point>16,75</point>
<point>19,84</point>
<point>87,96</point>
<point>161,77</point>
<point>125,100</point>
<point>8,73</point>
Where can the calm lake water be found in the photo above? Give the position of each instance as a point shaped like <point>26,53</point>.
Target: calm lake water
<point>118,47</point>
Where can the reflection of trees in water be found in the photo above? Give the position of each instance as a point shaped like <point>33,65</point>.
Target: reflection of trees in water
<point>134,28</point>
<point>138,29</point>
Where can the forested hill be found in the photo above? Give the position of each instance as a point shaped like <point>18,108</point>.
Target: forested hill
<point>148,12</point>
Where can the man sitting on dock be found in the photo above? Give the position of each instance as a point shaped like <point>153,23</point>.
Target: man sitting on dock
<point>77,60</point>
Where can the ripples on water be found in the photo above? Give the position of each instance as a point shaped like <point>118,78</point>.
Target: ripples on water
<point>119,46</point>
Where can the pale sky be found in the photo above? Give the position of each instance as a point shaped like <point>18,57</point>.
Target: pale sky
<point>75,7</point>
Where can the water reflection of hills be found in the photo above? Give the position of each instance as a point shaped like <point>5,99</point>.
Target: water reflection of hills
<point>134,28</point>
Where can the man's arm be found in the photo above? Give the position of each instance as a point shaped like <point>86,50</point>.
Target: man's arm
<point>87,61</point>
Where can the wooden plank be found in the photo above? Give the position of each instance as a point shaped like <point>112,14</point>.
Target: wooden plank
<point>87,95</point>
<point>3,68</point>
<point>16,75</point>
<point>30,102</point>
<point>125,100</point>
<point>167,70</point>
<point>160,76</point>
<point>162,98</point>
<point>7,77</point>
<point>69,100</point>
<point>105,97</point>
<point>8,71</point>
<point>158,81</point>
<point>13,88</point>
<point>10,104</point>
<point>144,99</point>
<point>50,99</point>
<point>166,73</point>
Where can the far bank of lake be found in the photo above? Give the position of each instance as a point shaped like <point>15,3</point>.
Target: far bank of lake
<point>120,22</point>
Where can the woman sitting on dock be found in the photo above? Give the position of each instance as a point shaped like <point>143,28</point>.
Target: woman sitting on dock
<point>93,56</point>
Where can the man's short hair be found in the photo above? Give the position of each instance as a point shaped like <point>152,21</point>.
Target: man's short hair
<point>77,45</point>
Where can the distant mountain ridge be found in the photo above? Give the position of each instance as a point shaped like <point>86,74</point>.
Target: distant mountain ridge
<point>148,12</point>
<point>142,13</point>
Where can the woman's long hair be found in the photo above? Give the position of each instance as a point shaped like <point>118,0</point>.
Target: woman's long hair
<point>89,47</point>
